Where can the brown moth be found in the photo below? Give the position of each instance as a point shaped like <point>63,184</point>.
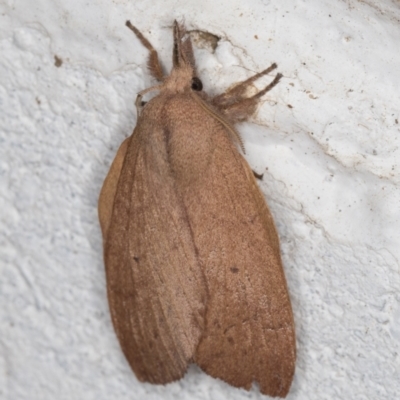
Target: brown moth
<point>192,257</point>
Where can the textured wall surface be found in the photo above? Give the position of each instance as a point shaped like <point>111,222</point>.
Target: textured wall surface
<point>326,138</point>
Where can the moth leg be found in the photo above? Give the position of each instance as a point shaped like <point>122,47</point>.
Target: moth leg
<point>139,103</point>
<point>238,92</point>
<point>153,63</point>
<point>233,103</point>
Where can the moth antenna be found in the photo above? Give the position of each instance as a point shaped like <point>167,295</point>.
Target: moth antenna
<point>187,52</point>
<point>176,48</point>
<point>183,50</point>
<point>153,63</point>
<point>235,134</point>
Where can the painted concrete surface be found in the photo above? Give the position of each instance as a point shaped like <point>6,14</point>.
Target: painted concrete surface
<point>326,139</point>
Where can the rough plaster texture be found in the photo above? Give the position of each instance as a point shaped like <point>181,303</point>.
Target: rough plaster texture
<point>331,178</point>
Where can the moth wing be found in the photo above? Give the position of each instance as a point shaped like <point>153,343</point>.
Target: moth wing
<point>154,283</point>
<point>249,329</point>
<point>107,194</point>
<point>249,333</point>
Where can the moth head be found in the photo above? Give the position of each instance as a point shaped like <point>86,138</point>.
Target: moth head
<point>183,76</point>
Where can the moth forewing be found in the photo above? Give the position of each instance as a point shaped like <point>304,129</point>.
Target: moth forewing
<point>192,256</point>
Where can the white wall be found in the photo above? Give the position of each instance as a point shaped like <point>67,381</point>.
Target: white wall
<point>331,177</point>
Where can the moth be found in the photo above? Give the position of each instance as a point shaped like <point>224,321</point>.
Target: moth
<point>193,266</point>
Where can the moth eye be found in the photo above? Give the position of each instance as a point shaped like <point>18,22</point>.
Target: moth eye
<point>143,103</point>
<point>197,84</point>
